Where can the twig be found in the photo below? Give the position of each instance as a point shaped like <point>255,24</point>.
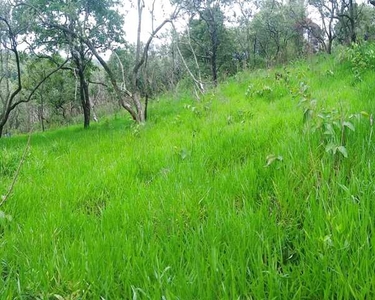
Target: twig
<point>5,197</point>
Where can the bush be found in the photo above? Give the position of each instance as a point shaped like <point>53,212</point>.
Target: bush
<point>361,58</point>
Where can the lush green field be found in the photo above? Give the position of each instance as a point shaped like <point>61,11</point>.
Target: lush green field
<point>186,207</point>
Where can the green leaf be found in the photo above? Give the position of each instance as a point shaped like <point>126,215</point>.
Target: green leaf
<point>4,216</point>
<point>345,188</point>
<point>331,148</point>
<point>343,151</point>
<point>184,154</point>
<point>272,158</point>
<point>349,125</point>
<point>313,102</point>
<point>337,124</point>
<point>329,129</point>
<point>307,115</point>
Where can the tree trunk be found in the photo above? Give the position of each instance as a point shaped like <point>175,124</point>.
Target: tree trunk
<point>87,106</point>
<point>84,92</point>
<point>140,110</point>
<point>3,121</point>
<point>215,45</point>
<point>140,5</point>
<point>41,111</point>
<point>353,35</point>
<point>329,46</point>
<point>214,67</point>
<point>146,107</point>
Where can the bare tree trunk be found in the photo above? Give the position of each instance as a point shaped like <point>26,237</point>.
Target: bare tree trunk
<point>329,46</point>
<point>215,46</point>
<point>214,68</point>
<point>92,106</point>
<point>41,111</point>
<point>198,82</point>
<point>214,39</point>
<point>140,6</point>
<point>353,35</point>
<point>1,129</point>
<point>137,93</point>
<point>140,109</point>
<point>146,108</point>
<point>84,92</point>
<point>79,60</point>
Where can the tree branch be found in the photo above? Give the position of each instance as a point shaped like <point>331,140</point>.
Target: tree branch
<point>38,85</point>
<point>98,83</point>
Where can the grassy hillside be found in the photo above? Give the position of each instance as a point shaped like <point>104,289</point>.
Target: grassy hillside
<point>235,197</point>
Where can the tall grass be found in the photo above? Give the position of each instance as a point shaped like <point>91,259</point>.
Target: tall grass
<point>185,207</point>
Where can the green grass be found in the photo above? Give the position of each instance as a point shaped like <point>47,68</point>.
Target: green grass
<point>184,207</point>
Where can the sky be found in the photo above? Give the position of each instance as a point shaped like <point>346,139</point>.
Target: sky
<point>162,10</point>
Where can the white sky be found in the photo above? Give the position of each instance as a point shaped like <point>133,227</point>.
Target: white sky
<point>162,10</point>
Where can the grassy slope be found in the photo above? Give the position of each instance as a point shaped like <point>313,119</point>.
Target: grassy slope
<point>185,208</point>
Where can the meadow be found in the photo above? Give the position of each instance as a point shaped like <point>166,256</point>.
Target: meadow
<point>249,193</point>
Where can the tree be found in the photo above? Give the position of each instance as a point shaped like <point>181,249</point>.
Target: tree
<point>11,81</point>
<point>80,28</point>
<point>56,100</point>
<point>208,26</point>
<point>278,35</point>
<point>8,47</point>
<point>328,10</point>
<point>101,25</point>
<point>196,75</point>
<point>350,19</point>
<point>245,37</point>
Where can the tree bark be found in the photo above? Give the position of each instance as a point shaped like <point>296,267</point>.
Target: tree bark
<point>79,60</point>
<point>329,46</point>
<point>84,94</point>
<point>214,67</point>
<point>41,111</point>
<point>146,108</point>
<point>2,124</point>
